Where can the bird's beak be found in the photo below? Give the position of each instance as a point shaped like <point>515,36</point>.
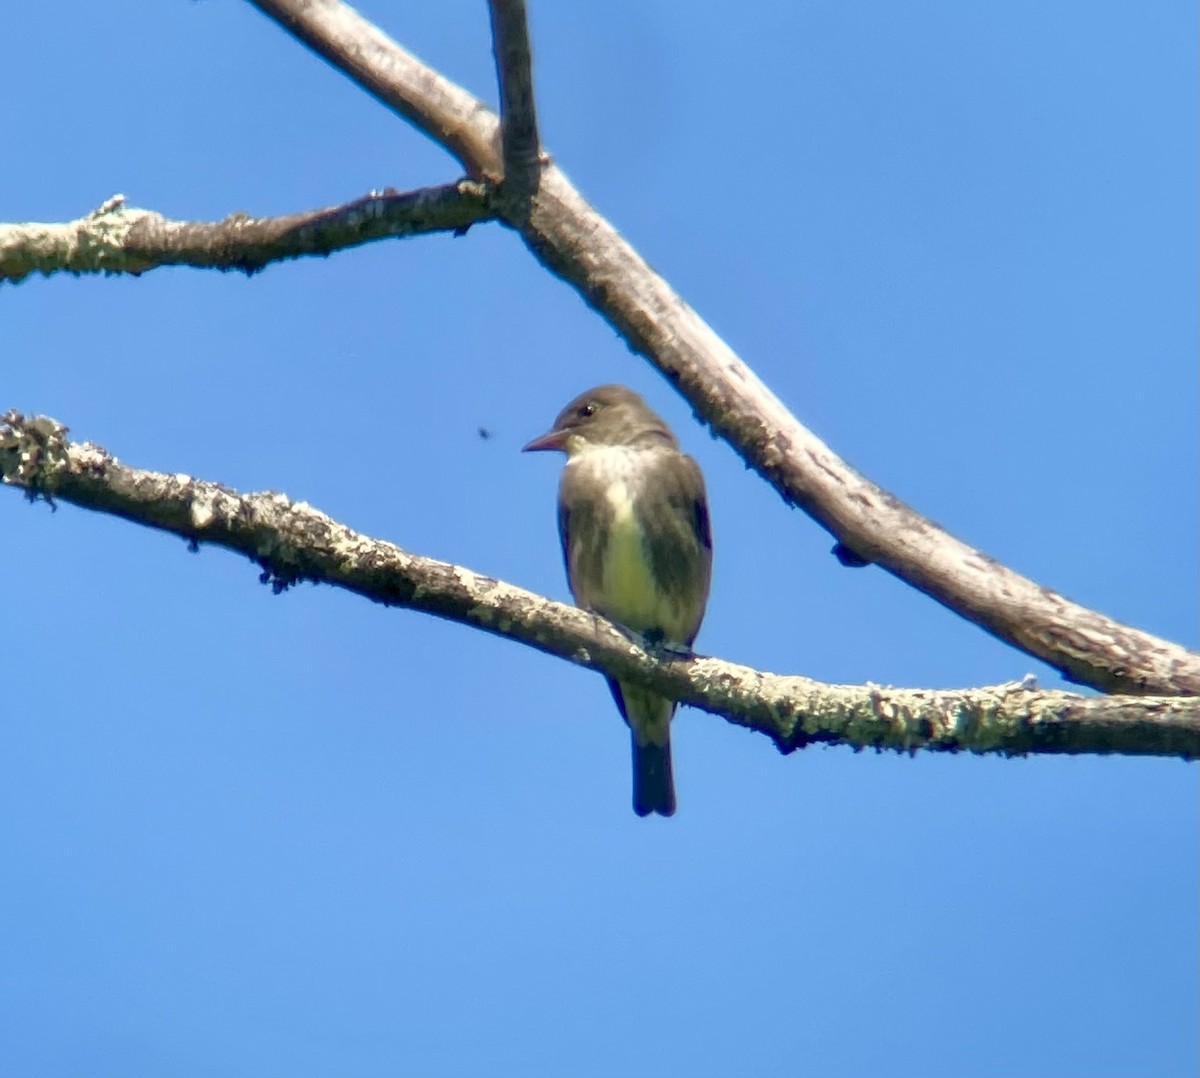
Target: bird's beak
<point>551,440</point>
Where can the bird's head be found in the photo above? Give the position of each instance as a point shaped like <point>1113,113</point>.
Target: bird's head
<point>604,416</point>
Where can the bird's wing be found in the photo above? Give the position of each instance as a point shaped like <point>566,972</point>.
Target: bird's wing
<point>582,542</point>
<point>682,552</point>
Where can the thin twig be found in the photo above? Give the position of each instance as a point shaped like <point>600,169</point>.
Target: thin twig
<point>292,542</point>
<point>518,114</point>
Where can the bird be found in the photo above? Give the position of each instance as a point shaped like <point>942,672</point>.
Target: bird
<point>637,544</point>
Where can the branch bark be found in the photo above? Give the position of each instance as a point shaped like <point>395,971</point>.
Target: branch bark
<point>121,239</point>
<point>519,139</point>
<point>871,525</point>
<point>292,542</point>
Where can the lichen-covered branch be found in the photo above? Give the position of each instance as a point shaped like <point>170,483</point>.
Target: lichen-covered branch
<point>870,525</point>
<point>117,238</point>
<point>293,542</point>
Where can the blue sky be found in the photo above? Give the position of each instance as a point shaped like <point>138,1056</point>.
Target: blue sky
<point>254,835</point>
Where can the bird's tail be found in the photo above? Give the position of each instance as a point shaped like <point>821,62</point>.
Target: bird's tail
<point>653,783</point>
<point>649,719</point>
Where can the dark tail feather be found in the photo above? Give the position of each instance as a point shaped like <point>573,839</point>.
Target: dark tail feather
<point>653,784</point>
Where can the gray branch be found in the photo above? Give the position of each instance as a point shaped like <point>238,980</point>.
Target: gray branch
<point>518,115</point>
<point>292,542</point>
<point>117,238</point>
<point>870,525</point>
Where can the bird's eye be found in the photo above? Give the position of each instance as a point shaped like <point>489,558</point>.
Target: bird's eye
<point>586,410</point>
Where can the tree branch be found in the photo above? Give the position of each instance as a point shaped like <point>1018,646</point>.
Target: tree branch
<point>518,115</point>
<point>121,239</point>
<point>293,542</point>
<point>871,525</point>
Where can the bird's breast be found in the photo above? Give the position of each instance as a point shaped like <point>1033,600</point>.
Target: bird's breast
<point>612,570</point>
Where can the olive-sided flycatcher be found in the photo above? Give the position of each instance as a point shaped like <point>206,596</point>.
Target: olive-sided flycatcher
<point>633,520</point>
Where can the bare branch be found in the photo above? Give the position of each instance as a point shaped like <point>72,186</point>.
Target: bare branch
<point>121,239</point>
<point>871,525</point>
<point>293,542</point>
<point>518,115</point>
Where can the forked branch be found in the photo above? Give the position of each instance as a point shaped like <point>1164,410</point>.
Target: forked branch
<point>576,243</point>
<point>573,241</point>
